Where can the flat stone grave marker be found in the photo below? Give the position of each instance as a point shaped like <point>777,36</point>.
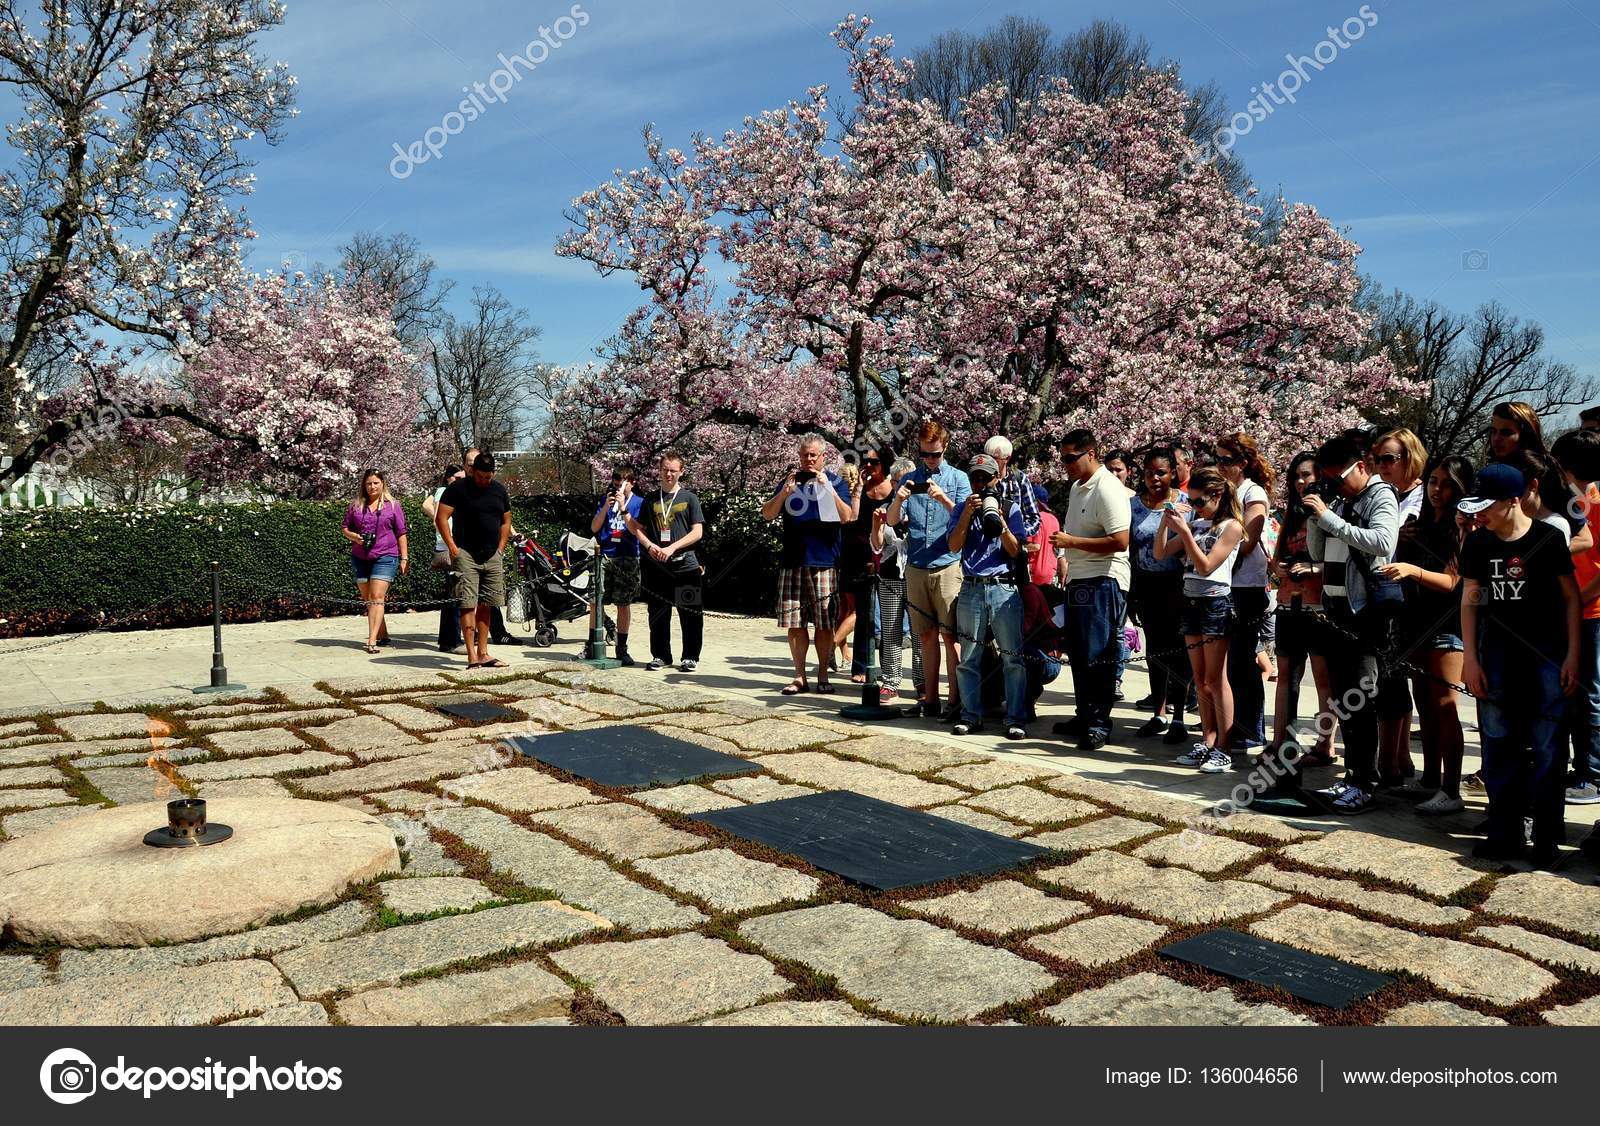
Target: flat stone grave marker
<point>1310,977</point>
<point>629,756</point>
<point>479,711</point>
<point>872,842</point>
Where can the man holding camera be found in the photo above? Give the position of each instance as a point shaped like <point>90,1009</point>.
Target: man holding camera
<point>989,535</point>
<point>814,505</point>
<point>667,527</point>
<point>1094,539</point>
<point>620,552</point>
<point>928,500</point>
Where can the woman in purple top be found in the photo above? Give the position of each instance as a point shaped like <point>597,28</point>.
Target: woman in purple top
<point>375,525</point>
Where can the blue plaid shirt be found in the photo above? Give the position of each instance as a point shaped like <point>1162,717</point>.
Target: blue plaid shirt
<point>1017,489</point>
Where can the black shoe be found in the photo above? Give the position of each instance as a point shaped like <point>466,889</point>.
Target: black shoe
<point>657,664</point>
<point>951,714</point>
<point>1155,725</point>
<point>1544,856</point>
<point>1073,726</point>
<point>1117,693</point>
<point>1177,732</point>
<point>1147,703</point>
<point>965,728</point>
<point>1490,850</point>
<point>1092,741</point>
<point>916,710</point>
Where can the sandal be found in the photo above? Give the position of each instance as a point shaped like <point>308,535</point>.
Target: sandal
<point>859,678</point>
<point>824,688</point>
<point>795,687</point>
<point>370,648</point>
<point>493,663</point>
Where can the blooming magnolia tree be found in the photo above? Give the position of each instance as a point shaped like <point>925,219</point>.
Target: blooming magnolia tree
<point>115,216</point>
<point>1080,269</point>
<point>316,380</point>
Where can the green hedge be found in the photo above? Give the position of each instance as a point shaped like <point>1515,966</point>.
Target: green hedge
<point>69,569</point>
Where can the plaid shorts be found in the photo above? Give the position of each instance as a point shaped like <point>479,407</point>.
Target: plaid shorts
<point>808,594</point>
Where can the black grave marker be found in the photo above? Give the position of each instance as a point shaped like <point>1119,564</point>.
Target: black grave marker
<point>479,711</point>
<point>872,842</point>
<point>629,756</point>
<point>1309,977</point>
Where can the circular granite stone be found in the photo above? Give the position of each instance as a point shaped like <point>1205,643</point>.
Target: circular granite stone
<point>91,881</point>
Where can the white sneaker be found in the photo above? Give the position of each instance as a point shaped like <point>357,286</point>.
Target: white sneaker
<point>1586,793</point>
<point>1217,762</point>
<point>1194,756</point>
<point>1440,803</point>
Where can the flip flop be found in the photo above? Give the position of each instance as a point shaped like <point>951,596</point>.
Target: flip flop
<point>794,688</point>
<point>824,689</point>
<point>370,648</point>
<point>496,663</point>
<point>471,665</point>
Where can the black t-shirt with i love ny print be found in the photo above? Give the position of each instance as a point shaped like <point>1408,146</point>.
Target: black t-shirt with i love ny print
<point>1519,584</point>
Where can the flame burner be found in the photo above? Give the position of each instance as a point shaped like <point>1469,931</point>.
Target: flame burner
<point>186,827</point>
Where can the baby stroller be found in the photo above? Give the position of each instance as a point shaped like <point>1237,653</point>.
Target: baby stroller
<point>552,588</point>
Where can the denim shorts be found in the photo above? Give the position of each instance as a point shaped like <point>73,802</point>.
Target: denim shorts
<point>1206,616</point>
<point>384,568</point>
<point>1448,642</point>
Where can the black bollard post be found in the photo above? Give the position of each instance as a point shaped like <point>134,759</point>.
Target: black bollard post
<point>597,633</point>
<point>219,668</point>
<point>871,707</point>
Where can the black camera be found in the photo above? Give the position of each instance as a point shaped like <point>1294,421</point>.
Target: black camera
<point>368,539</point>
<point>994,520</point>
<point>804,477</point>
<point>918,487</point>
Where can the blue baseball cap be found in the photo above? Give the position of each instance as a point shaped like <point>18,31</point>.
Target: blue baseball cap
<point>1494,483</point>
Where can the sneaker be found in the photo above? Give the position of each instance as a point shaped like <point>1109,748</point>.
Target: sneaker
<point>688,666</point>
<point>1441,802</point>
<point>1352,800</point>
<point>1217,762</point>
<point>1117,693</point>
<point>1177,732</point>
<point>1147,703</point>
<point>1092,741</point>
<point>965,728</point>
<point>1155,725</point>
<point>1016,731</point>
<point>1473,781</point>
<point>1073,726</point>
<point>627,661</point>
<point>1194,756</point>
<point>887,695</point>
<point>656,664</point>
<point>1585,793</point>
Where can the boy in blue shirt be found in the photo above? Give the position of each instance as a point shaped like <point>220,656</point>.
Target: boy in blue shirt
<point>621,551</point>
<point>988,534</point>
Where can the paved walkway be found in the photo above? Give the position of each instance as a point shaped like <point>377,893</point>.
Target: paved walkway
<point>660,919</point>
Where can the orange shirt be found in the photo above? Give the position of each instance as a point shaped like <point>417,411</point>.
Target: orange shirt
<point>1587,565</point>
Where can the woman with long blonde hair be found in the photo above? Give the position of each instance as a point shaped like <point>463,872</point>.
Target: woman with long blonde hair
<point>375,525</point>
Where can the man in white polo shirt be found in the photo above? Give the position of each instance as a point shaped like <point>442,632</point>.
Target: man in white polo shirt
<point>1094,538</point>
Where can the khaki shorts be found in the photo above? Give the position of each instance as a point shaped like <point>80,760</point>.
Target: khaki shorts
<point>480,584</point>
<point>932,597</point>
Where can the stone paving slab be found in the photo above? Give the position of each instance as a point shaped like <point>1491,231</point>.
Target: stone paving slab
<point>1204,852</point>
<point>34,820</point>
<point>19,971</point>
<point>991,774</point>
<point>828,773</point>
<point>297,717</point>
<point>1099,941</point>
<point>544,862</point>
<point>1106,832</point>
<point>1432,871</point>
<point>140,758</point>
<point>686,799</point>
<point>253,788</point>
<point>262,766</point>
<point>304,695</point>
<point>1174,894</point>
<point>1396,905</point>
<point>1432,1014</point>
<point>521,789</point>
<point>1182,811</point>
<point>911,755</point>
<point>505,994</point>
<point>988,822</point>
<point>26,727</point>
<point>1452,966</point>
<point>608,704</point>
<point>421,854</point>
<point>1546,899</point>
<point>1024,803</point>
<point>105,725</point>
<point>672,980</point>
<point>759,788</point>
<point>795,1014</point>
<point>30,776</point>
<point>25,744</point>
<point>767,735</point>
<point>621,830</point>
<point>301,1014</point>
<point>242,707</point>
<point>187,996</point>
<point>369,738</point>
<point>699,721</point>
<point>40,752</point>
<point>730,882</point>
<point>427,894</point>
<point>1003,907</point>
<point>1583,1014</point>
<point>370,960</point>
<point>35,799</point>
<point>1543,948</point>
<point>265,740</point>
<point>646,690</point>
<point>385,682</point>
<point>1149,999</point>
<point>443,762</point>
<point>341,922</point>
<point>412,718</point>
<point>128,785</point>
<point>411,801</point>
<point>547,710</point>
<point>95,748</point>
<point>903,966</point>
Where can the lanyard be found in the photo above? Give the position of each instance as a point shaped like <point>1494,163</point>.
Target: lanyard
<point>664,529</point>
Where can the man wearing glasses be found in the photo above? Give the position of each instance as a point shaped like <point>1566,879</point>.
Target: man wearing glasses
<point>1352,539</point>
<point>1094,537</point>
<point>928,499</point>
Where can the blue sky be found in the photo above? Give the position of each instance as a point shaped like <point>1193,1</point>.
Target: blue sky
<point>1458,143</point>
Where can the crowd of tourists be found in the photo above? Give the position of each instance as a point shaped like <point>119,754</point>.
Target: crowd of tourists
<point>1402,583</point>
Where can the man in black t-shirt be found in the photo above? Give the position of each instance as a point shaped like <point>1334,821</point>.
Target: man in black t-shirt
<point>474,520</point>
<point>669,524</point>
<point>1519,620</point>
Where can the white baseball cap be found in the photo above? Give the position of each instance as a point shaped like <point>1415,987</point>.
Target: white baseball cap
<point>998,446</point>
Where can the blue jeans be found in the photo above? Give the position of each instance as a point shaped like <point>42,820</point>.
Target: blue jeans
<point>1584,717</point>
<point>1042,670</point>
<point>1094,638</point>
<point>997,608</point>
<point>1244,675</point>
<point>1524,708</point>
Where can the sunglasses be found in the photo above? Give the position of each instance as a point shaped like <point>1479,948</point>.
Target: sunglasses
<point>1227,459</point>
<point>871,461</point>
<point>931,455</point>
<point>1068,459</point>
<point>1388,459</point>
